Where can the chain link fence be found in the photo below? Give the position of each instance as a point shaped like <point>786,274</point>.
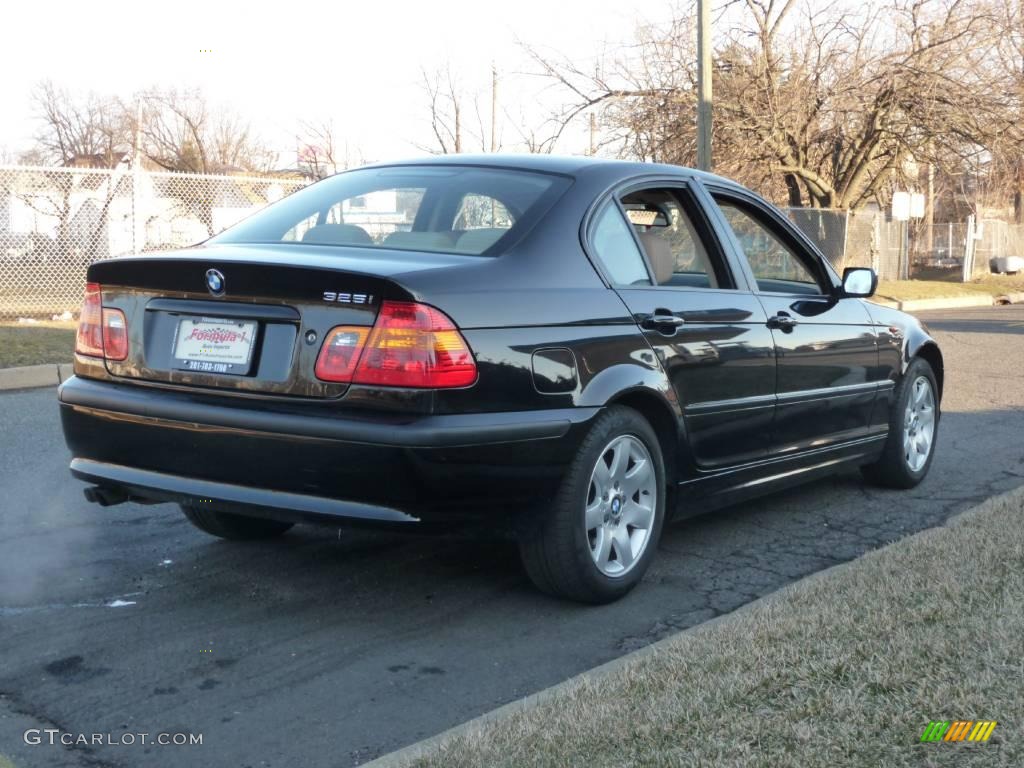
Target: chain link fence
<point>899,250</point>
<point>997,240</point>
<point>54,222</point>
<point>853,238</point>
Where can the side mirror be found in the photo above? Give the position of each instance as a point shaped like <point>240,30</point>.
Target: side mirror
<point>859,282</point>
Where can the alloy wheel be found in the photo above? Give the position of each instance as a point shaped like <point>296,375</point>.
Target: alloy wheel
<point>919,424</point>
<point>621,503</point>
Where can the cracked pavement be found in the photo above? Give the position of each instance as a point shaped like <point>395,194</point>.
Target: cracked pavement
<point>327,649</point>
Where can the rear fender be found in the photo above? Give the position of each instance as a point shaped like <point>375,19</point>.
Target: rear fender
<point>649,392</point>
<point>619,380</point>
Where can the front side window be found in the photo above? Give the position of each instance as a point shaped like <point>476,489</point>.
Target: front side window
<point>614,245</point>
<point>452,209</point>
<point>776,267</point>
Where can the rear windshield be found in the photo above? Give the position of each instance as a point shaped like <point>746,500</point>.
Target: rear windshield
<point>450,209</point>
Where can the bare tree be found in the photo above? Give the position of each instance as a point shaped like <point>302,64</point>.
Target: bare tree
<point>82,131</point>
<point>1008,66</point>
<point>535,140</point>
<point>445,103</point>
<point>171,129</point>
<point>319,155</point>
<point>820,106</point>
<point>178,130</point>
<point>86,130</point>
<point>458,120</point>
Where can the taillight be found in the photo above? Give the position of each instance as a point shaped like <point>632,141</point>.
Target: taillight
<point>340,353</point>
<point>101,332</point>
<point>115,334</point>
<point>413,345</point>
<point>410,345</point>
<point>90,323</point>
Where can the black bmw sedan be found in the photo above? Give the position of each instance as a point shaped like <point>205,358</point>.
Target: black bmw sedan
<point>570,350</point>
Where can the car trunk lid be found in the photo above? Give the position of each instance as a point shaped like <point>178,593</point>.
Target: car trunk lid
<point>249,319</point>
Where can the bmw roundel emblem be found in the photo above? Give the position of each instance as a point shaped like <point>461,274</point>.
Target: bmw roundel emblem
<point>215,282</point>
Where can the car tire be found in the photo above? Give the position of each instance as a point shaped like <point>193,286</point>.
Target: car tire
<point>566,558</point>
<point>226,525</point>
<point>913,422</point>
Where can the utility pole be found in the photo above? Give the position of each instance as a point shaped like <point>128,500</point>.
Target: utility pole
<point>929,213</point>
<point>704,85</point>
<point>1018,194</point>
<point>138,220</point>
<point>593,134</point>
<point>494,107</point>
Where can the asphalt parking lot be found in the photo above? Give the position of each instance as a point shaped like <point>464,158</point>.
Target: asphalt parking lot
<point>331,649</point>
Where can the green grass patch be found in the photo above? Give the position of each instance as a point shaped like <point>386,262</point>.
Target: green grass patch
<point>843,669</point>
<point>37,343</point>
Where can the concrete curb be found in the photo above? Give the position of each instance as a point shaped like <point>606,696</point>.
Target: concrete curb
<point>402,757</point>
<point>1011,298</point>
<point>951,302</point>
<point>32,376</point>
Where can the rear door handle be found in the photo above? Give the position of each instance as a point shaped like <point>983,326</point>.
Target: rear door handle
<point>663,322</point>
<point>782,322</point>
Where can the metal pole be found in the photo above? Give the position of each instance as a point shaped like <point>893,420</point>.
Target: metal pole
<point>704,85</point>
<point>846,235</point>
<point>138,220</point>
<point>494,107</point>
<point>906,250</point>
<point>929,213</point>
<point>494,127</point>
<point>968,266</point>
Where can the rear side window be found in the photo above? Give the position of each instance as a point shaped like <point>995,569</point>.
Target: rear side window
<point>663,219</point>
<point>614,245</point>
<point>449,209</point>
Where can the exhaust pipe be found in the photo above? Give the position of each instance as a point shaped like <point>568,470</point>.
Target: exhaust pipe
<point>105,497</point>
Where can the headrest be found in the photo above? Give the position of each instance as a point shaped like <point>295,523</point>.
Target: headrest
<point>429,241</point>
<point>337,234</point>
<point>660,254</point>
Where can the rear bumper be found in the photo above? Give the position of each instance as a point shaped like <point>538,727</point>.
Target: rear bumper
<point>296,507</point>
<point>307,461</point>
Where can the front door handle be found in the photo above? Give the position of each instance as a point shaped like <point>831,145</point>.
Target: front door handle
<point>782,322</point>
<point>663,322</point>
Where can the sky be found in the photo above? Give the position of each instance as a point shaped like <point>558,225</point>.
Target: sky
<point>357,64</point>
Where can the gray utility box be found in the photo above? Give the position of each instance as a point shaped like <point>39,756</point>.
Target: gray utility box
<point>1006,265</point>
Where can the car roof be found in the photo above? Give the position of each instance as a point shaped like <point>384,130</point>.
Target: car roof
<point>570,165</point>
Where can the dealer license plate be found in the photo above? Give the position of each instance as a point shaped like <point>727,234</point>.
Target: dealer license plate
<point>212,345</point>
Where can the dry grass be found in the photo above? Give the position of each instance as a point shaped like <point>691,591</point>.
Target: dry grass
<point>845,669</point>
<point>905,290</point>
<point>45,342</point>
